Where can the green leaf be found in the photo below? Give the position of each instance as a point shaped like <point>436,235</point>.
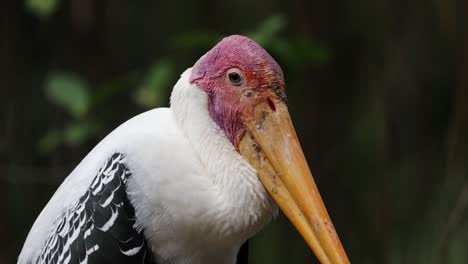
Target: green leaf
<point>42,8</point>
<point>77,133</point>
<point>268,30</point>
<point>50,141</point>
<point>73,135</point>
<point>158,78</point>
<point>105,91</point>
<point>69,92</point>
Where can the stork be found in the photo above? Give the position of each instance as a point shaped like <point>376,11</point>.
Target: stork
<point>190,183</point>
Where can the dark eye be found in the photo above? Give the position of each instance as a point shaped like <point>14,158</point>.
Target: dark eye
<point>235,78</point>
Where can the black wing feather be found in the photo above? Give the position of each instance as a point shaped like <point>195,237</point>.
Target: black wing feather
<point>100,227</point>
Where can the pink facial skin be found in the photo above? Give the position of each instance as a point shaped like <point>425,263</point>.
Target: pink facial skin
<point>230,104</point>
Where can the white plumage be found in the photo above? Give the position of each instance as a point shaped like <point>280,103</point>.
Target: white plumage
<point>195,197</point>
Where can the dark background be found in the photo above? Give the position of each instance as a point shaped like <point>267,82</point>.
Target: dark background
<point>377,91</point>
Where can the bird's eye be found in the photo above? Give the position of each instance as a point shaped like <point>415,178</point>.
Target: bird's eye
<point>234,77</point>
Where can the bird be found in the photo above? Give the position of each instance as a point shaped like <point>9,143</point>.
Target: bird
<point>192,182</point>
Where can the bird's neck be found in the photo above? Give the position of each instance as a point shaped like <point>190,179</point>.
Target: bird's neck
<point>237,182</point>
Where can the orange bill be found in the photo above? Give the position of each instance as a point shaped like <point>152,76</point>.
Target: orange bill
<point>272,148</point>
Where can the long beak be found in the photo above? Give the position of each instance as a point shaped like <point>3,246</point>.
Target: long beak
<point>272,148</point>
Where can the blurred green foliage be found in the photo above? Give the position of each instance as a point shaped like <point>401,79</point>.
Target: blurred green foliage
<point>69,92</point>
<point>42,8</point>
<point>152,92</point>
<point>292,52</point>
<point>73,94</point>
<point>267,32</point>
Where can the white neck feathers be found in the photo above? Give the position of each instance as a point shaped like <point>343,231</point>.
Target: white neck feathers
<point>235,179</point>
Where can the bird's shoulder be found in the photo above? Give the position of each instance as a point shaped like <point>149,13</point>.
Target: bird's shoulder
<point>136,139</point>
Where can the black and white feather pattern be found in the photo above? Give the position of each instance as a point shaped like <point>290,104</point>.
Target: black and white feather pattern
<point>100,227</point>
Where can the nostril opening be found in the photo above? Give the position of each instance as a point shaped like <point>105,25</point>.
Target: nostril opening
<point>271,104</point>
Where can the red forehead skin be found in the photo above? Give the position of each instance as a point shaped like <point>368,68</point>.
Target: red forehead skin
<point>262,75</point>
<point>243,53</point>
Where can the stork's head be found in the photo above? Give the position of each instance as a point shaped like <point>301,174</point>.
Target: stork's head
<point>245,87</point>
<point>238,75</point>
